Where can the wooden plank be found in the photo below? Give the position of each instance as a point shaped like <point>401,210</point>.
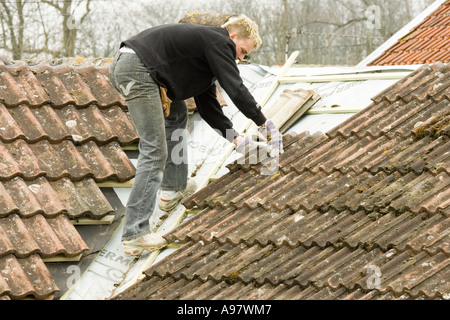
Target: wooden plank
<point>345,77</point>
<point>131,147</point>
<point>193,211</point>
<point>280,76</point>
<point>251,128</point>
<point>336,110</point>
<point>116,184</point>
<point>174,245</point>
<point>62,258</point>
<point>146,265</point>
<point>214,178</point>
<point>88,221</point>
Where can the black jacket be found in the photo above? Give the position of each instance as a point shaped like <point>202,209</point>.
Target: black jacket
<point>187,59</point>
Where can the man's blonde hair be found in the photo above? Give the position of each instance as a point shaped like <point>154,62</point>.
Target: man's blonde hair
<point>244,28</point>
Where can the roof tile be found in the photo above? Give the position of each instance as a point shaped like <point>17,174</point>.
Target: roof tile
<point>20,278</point>
<point>361,212</point>
<point>55,161</point>
<point>426,43</point>
<point>61,130</point>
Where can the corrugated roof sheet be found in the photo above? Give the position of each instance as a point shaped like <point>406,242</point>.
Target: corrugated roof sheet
<point>361,212</point>
<point>62,130</point>
<point>427,43</point>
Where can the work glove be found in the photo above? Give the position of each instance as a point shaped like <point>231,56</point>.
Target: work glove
<point>273,137</point>
<point>165,101</point>
<point>246,146</point>
<point>257,152</point>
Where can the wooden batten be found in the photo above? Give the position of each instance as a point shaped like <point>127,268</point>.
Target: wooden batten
<point>62,258</point>
<point>116,184</point>
<point>109,219</point>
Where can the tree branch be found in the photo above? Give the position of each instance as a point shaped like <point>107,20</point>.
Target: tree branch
<point>43,25</point>
<point>55,5</point>
<point>88,10</point>
<point>336,24</point>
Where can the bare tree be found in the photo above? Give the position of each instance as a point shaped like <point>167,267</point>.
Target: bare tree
<point>345,31</point>
<point>69,24</point>
<point>13,25</point>
<point>331,32</point>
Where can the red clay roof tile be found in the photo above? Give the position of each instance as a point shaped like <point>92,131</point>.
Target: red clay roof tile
<point>61,130</point>
<point>20,278</point>
<point>427,43</point>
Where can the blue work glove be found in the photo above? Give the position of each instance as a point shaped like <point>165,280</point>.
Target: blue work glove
<point>273,137</point>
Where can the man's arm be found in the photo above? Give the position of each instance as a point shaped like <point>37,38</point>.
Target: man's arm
<point>221,60</point>
<point>211,111</point>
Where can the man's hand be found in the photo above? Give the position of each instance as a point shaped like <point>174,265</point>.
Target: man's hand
<point>273,136</point>
<point>245,145</point>
<point>259,152</point>
<point>237,141</point>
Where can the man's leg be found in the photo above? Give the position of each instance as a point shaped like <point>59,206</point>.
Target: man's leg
<point>175,185</point>
<point>176,170</point>
<point>144,105</point>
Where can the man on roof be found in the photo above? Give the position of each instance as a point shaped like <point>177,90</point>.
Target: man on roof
<point>164,65</point>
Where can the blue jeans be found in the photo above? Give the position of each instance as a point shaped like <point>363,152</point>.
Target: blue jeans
<point>156,168</point>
